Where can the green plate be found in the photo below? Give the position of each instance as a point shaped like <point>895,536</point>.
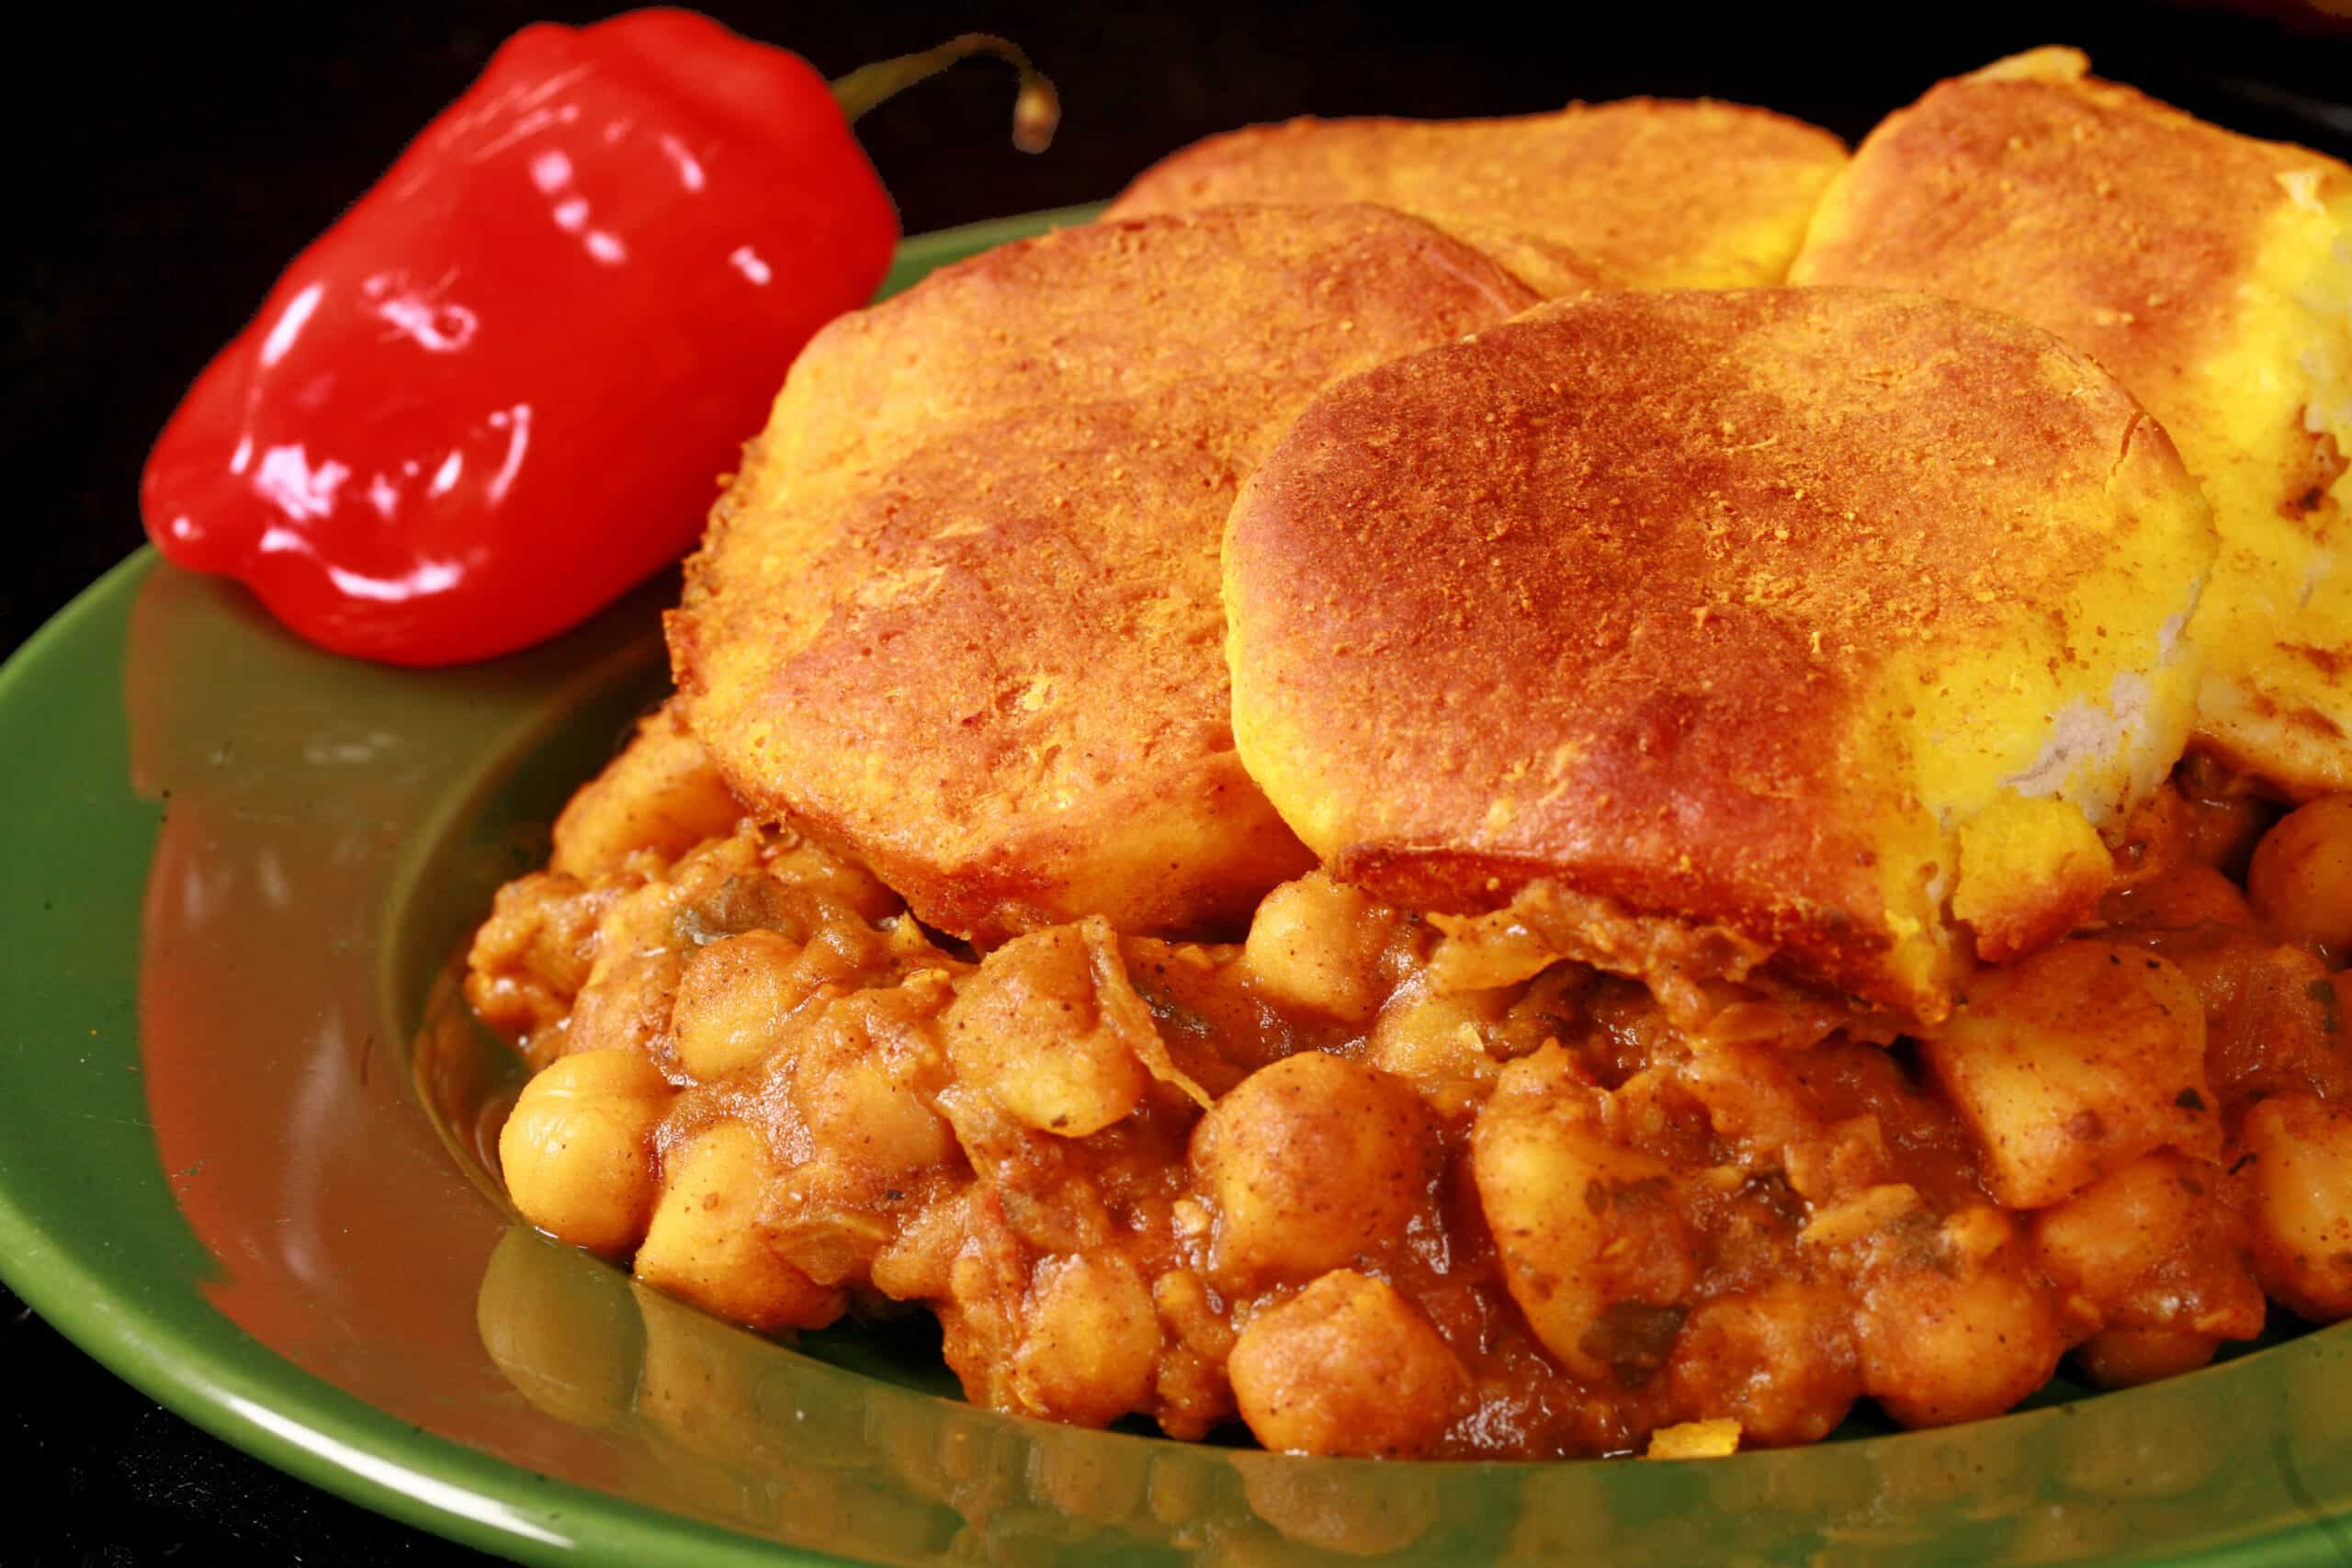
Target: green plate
<point>241,1124</point>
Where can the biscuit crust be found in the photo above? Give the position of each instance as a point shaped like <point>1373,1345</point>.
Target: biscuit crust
<point>1646,193</point>
<point>959,611</point>
<point>2210,273</point>
<point>1767,611</point>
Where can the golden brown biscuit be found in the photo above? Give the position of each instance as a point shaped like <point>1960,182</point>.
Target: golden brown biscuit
<point>2212,274</point>
<point>1828,621</point>
<point>1650,192</point>
<point>960,611</point>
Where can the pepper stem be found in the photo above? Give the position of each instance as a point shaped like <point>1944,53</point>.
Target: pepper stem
<point>1036,112</point>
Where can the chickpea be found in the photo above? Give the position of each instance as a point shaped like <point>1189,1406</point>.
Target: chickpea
<point>577,1152</point>
<point>1316,944</point>
<point>661,794</point>
<point>733,997</point>
<point>1939,1347</point>
<point>1346,1367</point>
<point>707,1242</point>
<point>857,1112</point>
<point>1781,1359</point>
<point>2187,897</point>
<point>2300,881</point>
<point>1031,1030</point>
<point>2073,1063</point>
<point>2112,1235</point>
<point>1312,1162</point>
<point>1437,1041</point>
<point>1592,1242</point>
<point>2300,1184</point>
<point>2126,1357</point>
<point>1090,1341</point>
<point>2160,1256</point>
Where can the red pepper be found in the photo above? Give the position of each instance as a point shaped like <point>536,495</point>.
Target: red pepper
<point>498,391</point>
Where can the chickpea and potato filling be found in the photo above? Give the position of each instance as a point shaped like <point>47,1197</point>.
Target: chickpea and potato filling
<point>1376,1185</point>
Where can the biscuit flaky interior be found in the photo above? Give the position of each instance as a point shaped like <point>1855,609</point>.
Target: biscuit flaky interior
<point>2210,273</point>
<point>959,611</point>
<point>1644,193</point>
<point>1840,621</point>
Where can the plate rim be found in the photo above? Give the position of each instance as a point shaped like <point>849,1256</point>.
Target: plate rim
<point>294,1420</point>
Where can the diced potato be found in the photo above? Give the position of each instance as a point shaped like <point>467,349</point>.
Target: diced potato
<point>1346,1367</point>
<point>2073,1063</point>
<point>577,1151</point>
<point>2301,1186</point>
<point>661,794</point>
<point>1312,1163</point>
<point>708,1241</point>
<point>1593,1244</point>
<point>1778,1361</point>
<point>1945,1338</point>
<point>1316,944</point>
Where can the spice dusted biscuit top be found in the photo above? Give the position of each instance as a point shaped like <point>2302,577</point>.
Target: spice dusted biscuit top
<point>1645,193</point>
<point>960,614</point>
<point>1817,631</point>
<point>2210,273</point>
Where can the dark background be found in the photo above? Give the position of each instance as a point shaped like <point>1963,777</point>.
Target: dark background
<point>163,170</point>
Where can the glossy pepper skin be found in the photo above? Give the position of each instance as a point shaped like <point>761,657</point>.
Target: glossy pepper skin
<point>501,389</point>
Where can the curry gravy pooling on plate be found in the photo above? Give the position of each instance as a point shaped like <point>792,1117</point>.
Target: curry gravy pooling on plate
<point>1860,998</point>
